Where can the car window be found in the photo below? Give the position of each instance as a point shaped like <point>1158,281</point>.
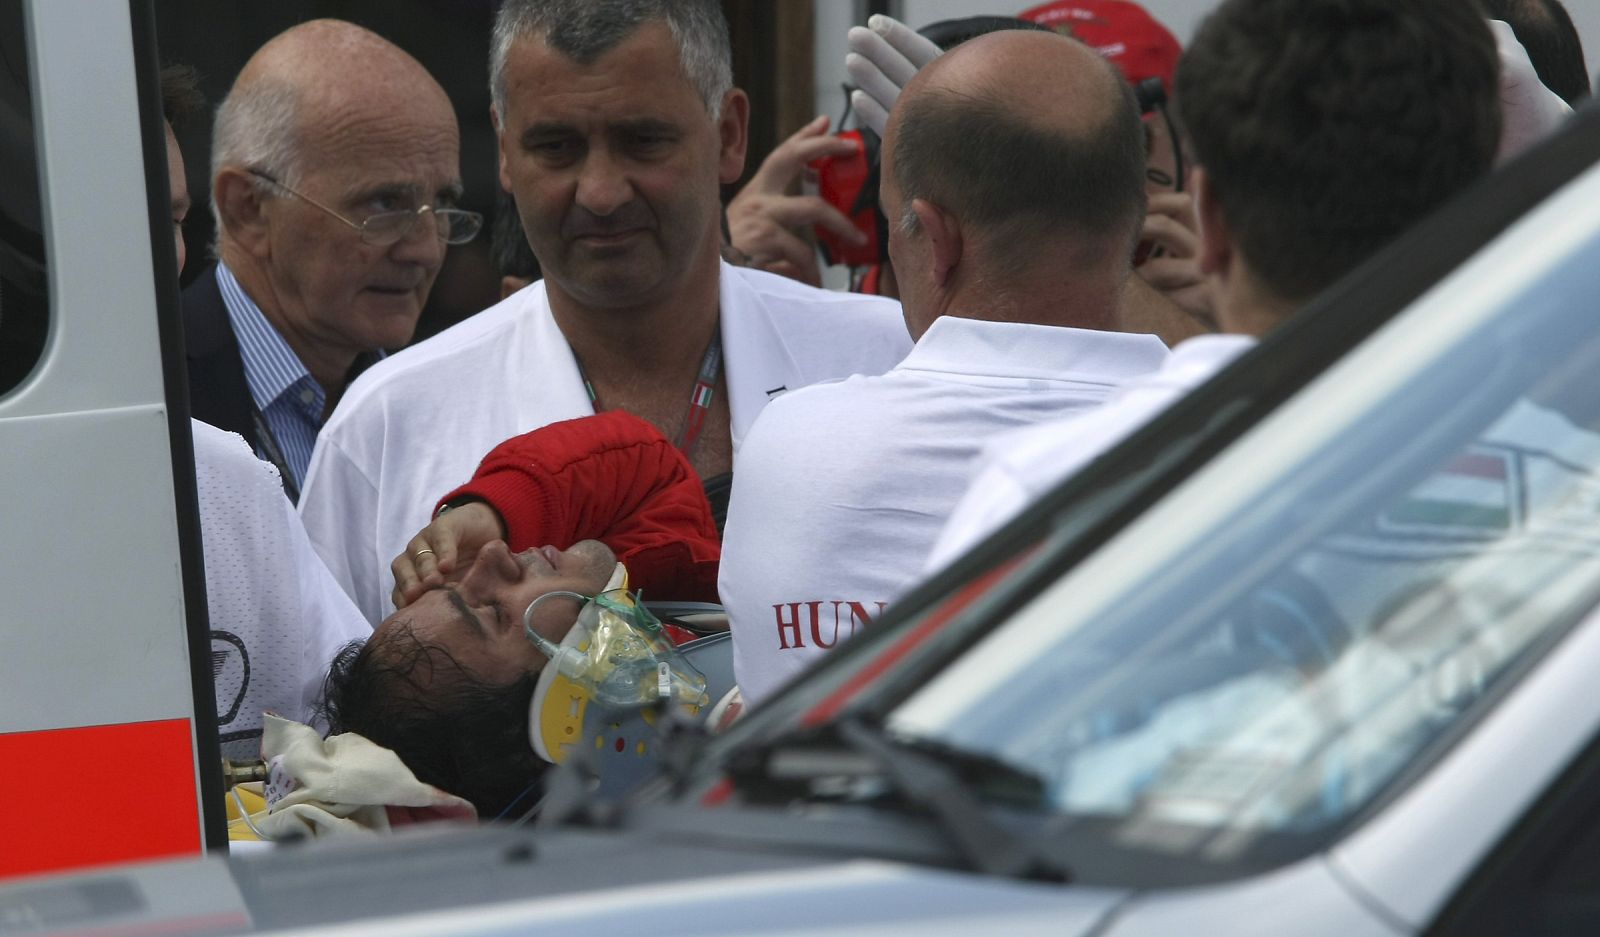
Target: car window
<point>1305,624</point>
<point>941,618</point>
<point>24,304</point>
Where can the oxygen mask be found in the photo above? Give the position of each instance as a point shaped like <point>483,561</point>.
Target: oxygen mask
<point>617,652</point>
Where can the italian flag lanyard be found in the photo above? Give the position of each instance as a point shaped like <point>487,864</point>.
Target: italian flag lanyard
<point>705,389</point>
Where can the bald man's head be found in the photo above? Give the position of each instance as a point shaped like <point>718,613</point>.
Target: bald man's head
<point>327,126</point>
<point>1027,138</point>
<point>1010,67</point>
<point>311,83</point>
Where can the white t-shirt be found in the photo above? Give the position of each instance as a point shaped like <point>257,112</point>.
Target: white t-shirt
<point>415,425</point>
<point>842,487</point>
<point>1016,468</point>
<point>277,617</point>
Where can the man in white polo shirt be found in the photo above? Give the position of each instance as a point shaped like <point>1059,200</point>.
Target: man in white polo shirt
<point>618,124</point>
<point>1013,218</point>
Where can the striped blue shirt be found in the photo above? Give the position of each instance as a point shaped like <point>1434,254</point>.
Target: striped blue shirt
<point>289,398</point>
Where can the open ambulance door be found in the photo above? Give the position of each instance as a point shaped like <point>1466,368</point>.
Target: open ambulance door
<point>108,742</point>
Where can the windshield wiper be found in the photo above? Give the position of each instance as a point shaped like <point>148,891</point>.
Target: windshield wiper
<point>943,780</point>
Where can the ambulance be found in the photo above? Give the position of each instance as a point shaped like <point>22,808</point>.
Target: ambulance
<point>1313,653</point>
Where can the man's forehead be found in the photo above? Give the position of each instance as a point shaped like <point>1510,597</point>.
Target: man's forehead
<point>335,132</point>
<point>366,170</point>
<point>543,79</point>
<point>175,170</point>
<point>599,124</point>
<point>551,118</point>
<point>438,612</point>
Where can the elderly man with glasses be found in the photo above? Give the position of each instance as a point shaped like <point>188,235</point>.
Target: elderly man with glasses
<point>335,171</point>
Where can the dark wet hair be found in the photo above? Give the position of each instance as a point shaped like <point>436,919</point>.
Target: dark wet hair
<point>452,728</point>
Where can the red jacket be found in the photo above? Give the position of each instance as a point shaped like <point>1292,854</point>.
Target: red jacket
<point>611,477</point>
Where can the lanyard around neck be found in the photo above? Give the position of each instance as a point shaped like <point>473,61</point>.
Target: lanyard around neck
<point>705,388</point>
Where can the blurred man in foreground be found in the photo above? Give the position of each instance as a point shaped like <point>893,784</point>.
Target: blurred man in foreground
<point>1294,191</point>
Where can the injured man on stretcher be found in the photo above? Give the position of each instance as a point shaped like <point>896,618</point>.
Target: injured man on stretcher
<point>550,542</point>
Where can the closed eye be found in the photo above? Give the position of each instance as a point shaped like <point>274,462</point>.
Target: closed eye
<point>465,614</point>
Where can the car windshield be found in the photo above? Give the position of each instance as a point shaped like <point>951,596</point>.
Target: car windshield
<point>1323,608</point>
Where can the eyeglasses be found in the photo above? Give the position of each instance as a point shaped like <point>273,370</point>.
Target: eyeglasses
<point>453,225</point>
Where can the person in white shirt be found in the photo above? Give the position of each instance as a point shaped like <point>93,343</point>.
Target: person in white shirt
<point>1293,190</point>
<point>618,124</point>
<point>1012,225</point>
<point>277,617</point>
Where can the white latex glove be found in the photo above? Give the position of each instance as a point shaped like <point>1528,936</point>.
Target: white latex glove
<point>882,58</point>
<point>1529,111</point>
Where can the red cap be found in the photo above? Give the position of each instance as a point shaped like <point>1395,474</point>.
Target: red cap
<point>1120,30</point>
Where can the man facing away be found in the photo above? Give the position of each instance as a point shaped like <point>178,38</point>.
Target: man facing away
<point>618,123</point>
<point>335,169</point>
<point>1012,222</point>
<point>1323,129</point>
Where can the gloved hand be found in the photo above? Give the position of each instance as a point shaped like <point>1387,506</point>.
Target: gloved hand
<point>1529,111</point>
<point>882,58</point>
